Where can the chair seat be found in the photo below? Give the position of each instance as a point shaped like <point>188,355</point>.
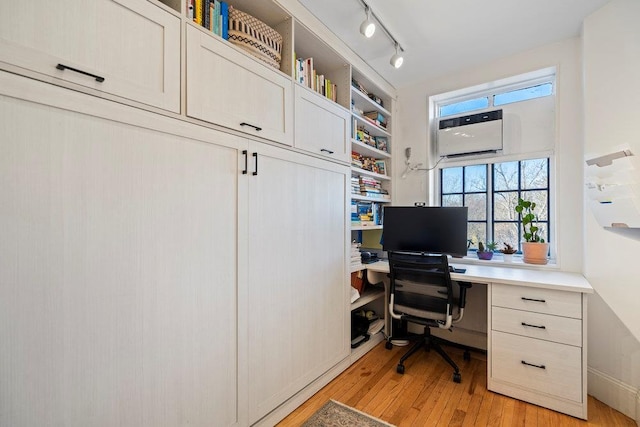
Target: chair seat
<point>422,307</point>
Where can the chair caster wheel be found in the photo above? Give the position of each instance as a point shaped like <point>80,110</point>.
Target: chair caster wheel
<point>457,378</point>
<point>388,345</point>
<point>400,369</point>
<point>467,355</point>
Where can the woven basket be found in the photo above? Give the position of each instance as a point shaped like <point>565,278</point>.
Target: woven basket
<point>255,37</point>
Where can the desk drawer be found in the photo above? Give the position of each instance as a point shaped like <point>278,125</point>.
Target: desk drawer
<point>558,371</point>
<point>548,301</point>
<point>558,329</point>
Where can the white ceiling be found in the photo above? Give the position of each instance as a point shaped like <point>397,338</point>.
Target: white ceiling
<point>441,37</point>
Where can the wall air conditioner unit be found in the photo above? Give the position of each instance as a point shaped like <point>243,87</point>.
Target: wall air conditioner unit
<point>474,134</point>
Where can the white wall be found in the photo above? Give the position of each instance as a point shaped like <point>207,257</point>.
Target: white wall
<point>614,353</point>
<point>611,49</point>
<point>413,128</point>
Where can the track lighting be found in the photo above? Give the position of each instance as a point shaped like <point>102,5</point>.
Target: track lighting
<point>368,27</point>
<point>396,59</point>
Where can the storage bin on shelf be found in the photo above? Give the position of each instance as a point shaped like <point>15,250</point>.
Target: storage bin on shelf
<point>255,37</point>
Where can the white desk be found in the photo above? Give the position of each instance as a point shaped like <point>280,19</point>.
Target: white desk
<point>537,339</point>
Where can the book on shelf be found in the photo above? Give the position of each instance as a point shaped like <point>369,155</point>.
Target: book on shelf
<point>307,75</point>
<point>224,14</point>
<point>198,11</point>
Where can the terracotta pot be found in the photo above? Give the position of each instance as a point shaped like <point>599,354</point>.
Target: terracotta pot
<point>535,253</point>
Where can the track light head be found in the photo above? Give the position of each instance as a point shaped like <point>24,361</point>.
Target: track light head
<point>368,27</point>
<point>396,59</point>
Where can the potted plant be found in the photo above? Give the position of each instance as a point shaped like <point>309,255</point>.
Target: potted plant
<point>507,252</point>
<point>534,248</point>
<point>487,253</point>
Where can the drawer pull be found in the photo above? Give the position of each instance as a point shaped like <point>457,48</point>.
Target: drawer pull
<point>251,126</point>
<point>66,67</point>
<point>533,326</point>
<point>326,151</point>
<point>531,364</point>
<point>532,299</point>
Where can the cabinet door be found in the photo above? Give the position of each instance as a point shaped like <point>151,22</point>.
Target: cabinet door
<point>322,126</point>
<point>298,322</point>
<point>118,272</point>
<point>133,44</point>
<point>227,87</point>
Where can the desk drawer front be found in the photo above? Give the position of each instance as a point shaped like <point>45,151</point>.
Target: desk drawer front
<point>557,370</point>
<point>558,329</point>
<point>548,301</point>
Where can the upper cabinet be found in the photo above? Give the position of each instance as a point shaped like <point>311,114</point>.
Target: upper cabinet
<point>127,48</point>
<point>229,88</point>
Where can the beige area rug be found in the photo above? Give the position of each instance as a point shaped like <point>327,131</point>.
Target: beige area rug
<point>336,414</point>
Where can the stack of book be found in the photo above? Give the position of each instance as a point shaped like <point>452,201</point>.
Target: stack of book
<point>366,213</point>
<point>371,187</point>
<point>357,159</point>
<point>355,185</point>
<point>211,14</point>
<point>356,260</point>
<point>376,118</point>
<point>307,76</point>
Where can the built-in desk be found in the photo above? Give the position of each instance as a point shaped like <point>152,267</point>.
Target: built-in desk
<point>537,339</point>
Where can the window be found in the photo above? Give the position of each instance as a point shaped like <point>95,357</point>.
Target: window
<point>491,192</point>
<point>496,97</point>
<point>464,106</point>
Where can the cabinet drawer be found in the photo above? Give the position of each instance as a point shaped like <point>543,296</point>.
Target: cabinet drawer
<point>558,329</point>
<point>227,87</point>
<point>322,126</point>
<point>549,301</point>
<point>84,42</point>
<point>558,369</point>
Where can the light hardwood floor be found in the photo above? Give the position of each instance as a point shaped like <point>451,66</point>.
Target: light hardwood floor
<point>426,395</point>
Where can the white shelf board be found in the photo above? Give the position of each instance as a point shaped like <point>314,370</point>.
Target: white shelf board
<point>367,150</point>
<point>360,267</point>
<point>365,227</point>
<point>357,170</point>
<point>364,103</point>
<point>373,129</point>
<point>368,296</point>
<point>369,199</point>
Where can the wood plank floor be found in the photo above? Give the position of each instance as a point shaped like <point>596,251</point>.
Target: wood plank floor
<point>426,395</point>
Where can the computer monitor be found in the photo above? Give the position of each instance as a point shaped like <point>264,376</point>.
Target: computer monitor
<point>425,229</point>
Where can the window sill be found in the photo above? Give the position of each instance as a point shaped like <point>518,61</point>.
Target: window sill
<point>498,261</point>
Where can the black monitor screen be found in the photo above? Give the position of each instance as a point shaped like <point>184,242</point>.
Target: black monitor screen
<point>438,230</point>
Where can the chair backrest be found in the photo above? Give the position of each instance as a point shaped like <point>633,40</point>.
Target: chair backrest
<point>421,290</point>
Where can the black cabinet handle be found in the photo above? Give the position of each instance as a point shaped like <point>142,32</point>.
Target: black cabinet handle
<point>251,126</point>
<point>326,151</point>
<point>246,161</point>
<point>533,326</point>
<point>66,67</point>
<point>255,156</point>
<point>532,299</point>
<point>535,366</point>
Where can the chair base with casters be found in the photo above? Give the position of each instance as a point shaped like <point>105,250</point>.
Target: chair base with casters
<point>421,292</point>
<point>430,342</point>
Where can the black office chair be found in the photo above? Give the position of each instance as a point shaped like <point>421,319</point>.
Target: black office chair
<point>421,292</point>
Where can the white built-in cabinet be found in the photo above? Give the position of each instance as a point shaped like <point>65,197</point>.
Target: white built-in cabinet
<point>120,266</point>
<point>224,86</point>
<point>297,317</point>
<point>178,256</point>
<point>322,126</point>
<point>537,346</point>
<point>127,48</point>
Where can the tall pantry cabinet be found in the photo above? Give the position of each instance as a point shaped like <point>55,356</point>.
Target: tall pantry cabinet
<point>162,263</point>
